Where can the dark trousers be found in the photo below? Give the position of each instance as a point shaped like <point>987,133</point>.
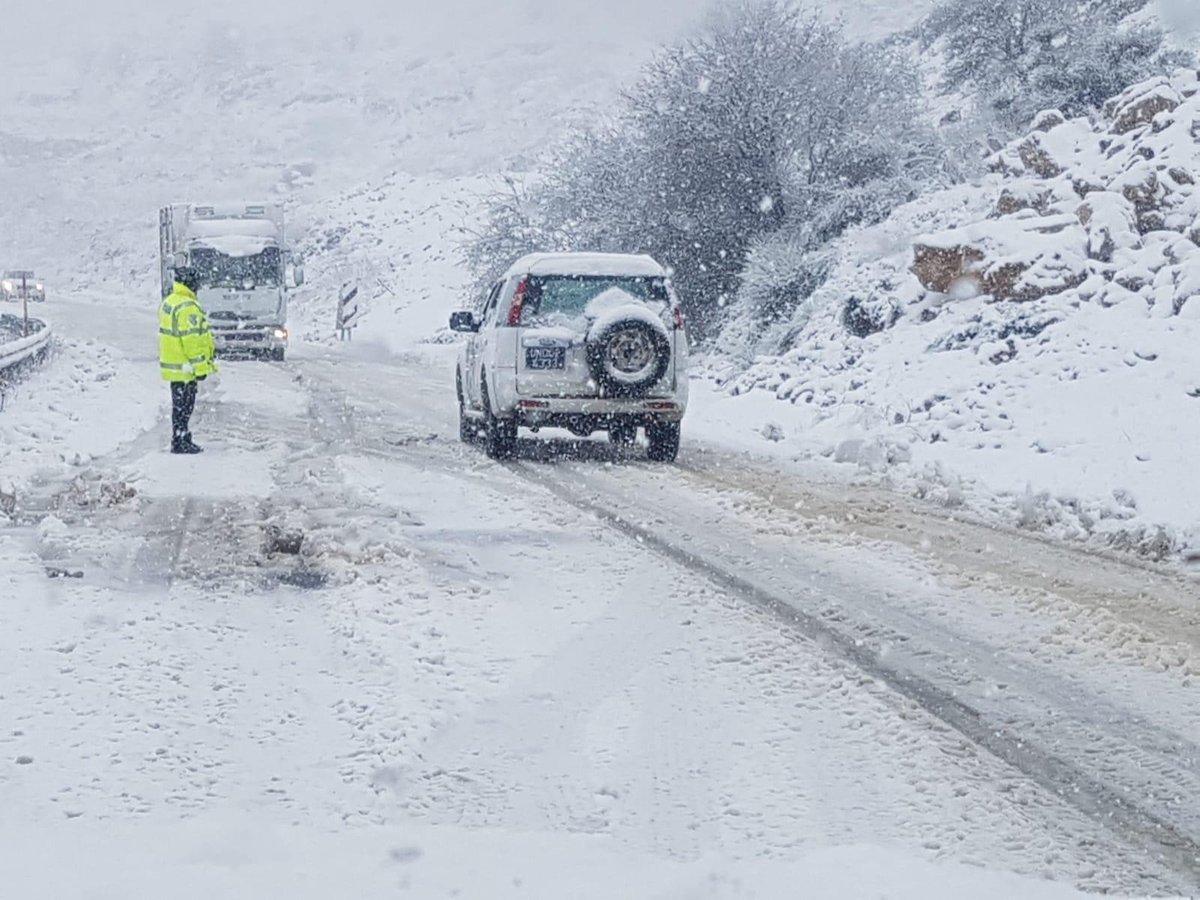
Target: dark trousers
<point>183,401</point>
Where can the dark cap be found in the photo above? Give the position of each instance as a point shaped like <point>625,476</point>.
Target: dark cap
<point>188,277</point>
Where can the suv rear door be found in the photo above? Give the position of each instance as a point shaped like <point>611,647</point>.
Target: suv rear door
<point>553,323</point>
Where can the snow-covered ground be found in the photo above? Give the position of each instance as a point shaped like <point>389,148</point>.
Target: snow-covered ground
<point>465,663</point>
<point>230,856</point>
<point>577,675</point>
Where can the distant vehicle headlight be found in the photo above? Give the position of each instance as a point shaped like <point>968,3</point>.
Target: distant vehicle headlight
<point>281,333</point>
<point>8,285</point>
<point>39,287</point>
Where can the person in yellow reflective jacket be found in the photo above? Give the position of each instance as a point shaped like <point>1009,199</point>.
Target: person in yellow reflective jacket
<point>186,353</point>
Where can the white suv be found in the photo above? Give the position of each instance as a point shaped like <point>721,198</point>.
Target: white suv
<point>583,341</point>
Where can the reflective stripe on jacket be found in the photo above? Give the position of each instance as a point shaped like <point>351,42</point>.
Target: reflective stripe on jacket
<point>185,345</point>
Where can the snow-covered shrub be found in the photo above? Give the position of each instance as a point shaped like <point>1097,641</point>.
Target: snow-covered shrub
<point>865,316</point>
<point>514,225</point>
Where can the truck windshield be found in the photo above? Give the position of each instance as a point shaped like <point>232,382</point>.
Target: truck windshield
<point>238,272</point>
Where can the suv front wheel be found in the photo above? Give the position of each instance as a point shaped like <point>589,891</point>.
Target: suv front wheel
<point>468,432</point>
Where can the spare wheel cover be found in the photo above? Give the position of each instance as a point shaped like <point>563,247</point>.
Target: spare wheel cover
<point>629,357</point>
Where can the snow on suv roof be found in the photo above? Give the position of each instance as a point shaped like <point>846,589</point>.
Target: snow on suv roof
<point>587,264</point>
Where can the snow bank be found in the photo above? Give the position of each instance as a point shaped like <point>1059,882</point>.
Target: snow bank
<point>84,403</point>
<point>233,237</point>
<point>615,305</point>
<point>613,264</point>
<point>1041,355</point>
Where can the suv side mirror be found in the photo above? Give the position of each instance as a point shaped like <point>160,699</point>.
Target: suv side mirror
<point>464,321</point>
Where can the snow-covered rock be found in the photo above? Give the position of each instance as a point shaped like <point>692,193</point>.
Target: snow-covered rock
<point>1019,257</point>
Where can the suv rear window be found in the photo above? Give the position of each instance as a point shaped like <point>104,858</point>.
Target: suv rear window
<point>561,299</point>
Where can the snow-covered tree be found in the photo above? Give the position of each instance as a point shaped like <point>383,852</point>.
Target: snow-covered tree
<point>767,122</point>
<point>1023,56</point>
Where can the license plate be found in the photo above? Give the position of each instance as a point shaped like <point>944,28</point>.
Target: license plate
<point>542,358</point>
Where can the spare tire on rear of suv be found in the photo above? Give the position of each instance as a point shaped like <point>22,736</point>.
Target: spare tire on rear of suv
<point>628,356</point>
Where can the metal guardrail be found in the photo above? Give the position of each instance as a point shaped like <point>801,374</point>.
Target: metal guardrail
<point>18,349</point>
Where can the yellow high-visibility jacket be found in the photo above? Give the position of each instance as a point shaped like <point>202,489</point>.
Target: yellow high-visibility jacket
<point>185,345</point>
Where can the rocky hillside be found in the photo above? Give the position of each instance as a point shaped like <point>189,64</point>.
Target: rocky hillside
<point>1108,209</point>
<point>1025,344</point>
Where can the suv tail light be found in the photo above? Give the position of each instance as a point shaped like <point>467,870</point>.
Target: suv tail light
<point>677,315</point>
<point>518,303</point>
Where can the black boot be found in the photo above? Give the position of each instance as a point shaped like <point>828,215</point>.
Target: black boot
<point>182,443</point>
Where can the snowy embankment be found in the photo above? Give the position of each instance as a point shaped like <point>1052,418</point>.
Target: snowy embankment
<point>89,401</point>
<point>1023,345</point>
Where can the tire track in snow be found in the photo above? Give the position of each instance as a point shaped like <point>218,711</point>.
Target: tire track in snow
<point>1117,810</point>
<point>1007,733</point>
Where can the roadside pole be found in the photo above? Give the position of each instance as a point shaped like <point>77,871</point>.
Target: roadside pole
<point>24,276</point>
<point>347,311</point>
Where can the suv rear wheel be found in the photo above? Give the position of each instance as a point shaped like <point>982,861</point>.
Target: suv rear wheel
<point>664,441</point>
<point>500,435</point>
<point>622,433</point>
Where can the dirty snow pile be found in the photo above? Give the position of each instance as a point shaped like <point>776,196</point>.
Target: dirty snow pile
<point>1024,345</point>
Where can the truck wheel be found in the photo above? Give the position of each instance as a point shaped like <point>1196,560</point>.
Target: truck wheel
<point>500,434</point>
<point>664,441</point>
<point>279,354</point>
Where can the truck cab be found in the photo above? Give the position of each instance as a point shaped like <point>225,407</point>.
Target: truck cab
<point>242,253</point>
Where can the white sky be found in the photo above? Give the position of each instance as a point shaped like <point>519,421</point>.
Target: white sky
<point>69,23</point>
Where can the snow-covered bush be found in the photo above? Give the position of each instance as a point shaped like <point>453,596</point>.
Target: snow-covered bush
<point>1021,56</point>
<point>766,123</point>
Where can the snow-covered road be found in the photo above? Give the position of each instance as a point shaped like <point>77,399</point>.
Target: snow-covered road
<point>580,671</point>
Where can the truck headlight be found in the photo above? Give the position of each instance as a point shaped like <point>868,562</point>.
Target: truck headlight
<point>8,285</point>
<point>281,334</point>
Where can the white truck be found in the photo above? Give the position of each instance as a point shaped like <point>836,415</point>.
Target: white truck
<point>246,264</point>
